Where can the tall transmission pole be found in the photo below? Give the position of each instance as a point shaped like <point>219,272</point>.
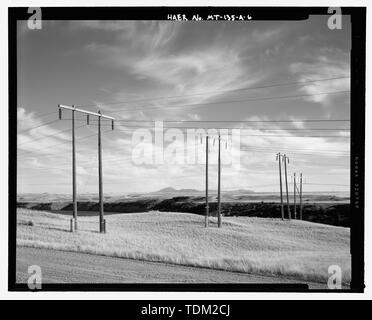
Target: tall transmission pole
<point>102,224</point>
<point>300,196</point>
<point>279,157</point>
<point>102,221</point>
<point>285,160</point>
<point>294,194</point>
<point>206,182</point>
<point>73,223</point>
<point>219,182</point>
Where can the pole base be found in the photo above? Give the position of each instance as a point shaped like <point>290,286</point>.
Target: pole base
<point>207,220</point>
<point>102,226</point>
<point>73,225</point>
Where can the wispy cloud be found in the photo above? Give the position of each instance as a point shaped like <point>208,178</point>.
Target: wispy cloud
<point>213,70</point>
<point>331,63</point>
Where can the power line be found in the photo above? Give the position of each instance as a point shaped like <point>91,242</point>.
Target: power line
<point>241,121</point>
<point>243,128</point>
<point>231,101</point>
<point>68,141</point>
<point>195,128</point>
<point>242,135</point>
<point>252,135</point>
<point>39,126</point>
<point>51,135</point>
<point>300,153</point>
<point>288,150</point>
<point>312,152</point>
<point>327,184</point>
<point>254,150</point>
<point>288,136</point>
<point>226,121</point>
<point>220,91</point>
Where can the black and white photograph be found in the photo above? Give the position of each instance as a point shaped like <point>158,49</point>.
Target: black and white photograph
<point>198,149</point>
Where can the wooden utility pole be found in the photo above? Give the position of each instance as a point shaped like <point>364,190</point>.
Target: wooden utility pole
<point>206,182</point>
<point>300,196</point>
<point>285,159</point>
<point>294,194</point>
<point>102,224</point>
<point>219,183</point>
<point>279,157</point>
<point>73,222</point>
<point>102,221</point>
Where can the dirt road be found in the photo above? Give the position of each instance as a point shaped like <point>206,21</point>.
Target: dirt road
<point>73,267</point>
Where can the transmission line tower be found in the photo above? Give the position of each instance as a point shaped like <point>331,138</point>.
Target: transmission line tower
<point>73,109</point>
<point>206,181</point>
<point>286,160</point>
<point>279,158</point>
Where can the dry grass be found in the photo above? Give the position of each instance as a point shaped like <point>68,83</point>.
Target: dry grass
<point>297,249</point>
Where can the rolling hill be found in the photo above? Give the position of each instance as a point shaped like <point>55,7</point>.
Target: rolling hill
<point>297,249</point>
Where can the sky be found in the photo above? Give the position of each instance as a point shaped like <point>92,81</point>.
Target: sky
<point>269,79</point>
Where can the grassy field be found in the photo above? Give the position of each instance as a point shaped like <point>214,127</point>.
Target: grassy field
<point>298,249</point>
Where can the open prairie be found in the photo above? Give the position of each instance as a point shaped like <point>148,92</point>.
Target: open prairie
<point>263,246</point>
